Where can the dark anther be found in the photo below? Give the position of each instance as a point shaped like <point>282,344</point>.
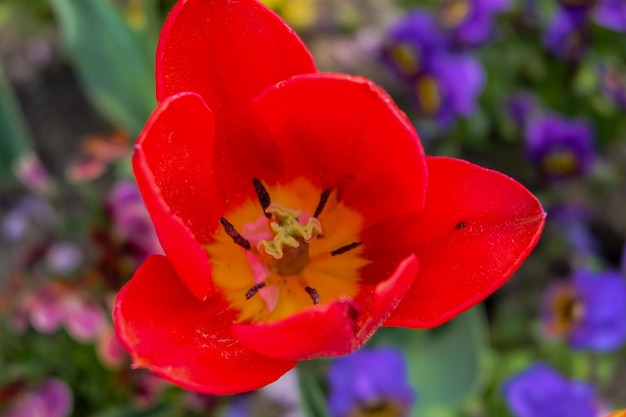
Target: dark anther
<point>313,294</point>
<point>460,225</point>
<point>234,234</point>
<point>346,248</point>
<point>252,291</point>
<point>264,196</point>
<point>322,203</point>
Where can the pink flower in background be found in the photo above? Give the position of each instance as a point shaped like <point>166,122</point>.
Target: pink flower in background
<point>53,398</point>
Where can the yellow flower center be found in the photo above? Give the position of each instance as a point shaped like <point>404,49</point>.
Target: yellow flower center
<point>454,12</point>
<point>378,409</point>
<point>300,246</point>
<point>428,94</point>
<point>405,58</point>
<point>567,309</point>
<point>560,162</point>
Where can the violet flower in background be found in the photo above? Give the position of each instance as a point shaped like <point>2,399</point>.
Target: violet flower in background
<point>521,107</point>
<point>450,89</point>
<point>567,35</point>
<point>611,14</point>
<point>64,257</point>
<point>53,398</point>
<point>560,148</point>
<point>572,222</point>
<point>131,221</point>
<point>540,391</point>
<point>25,212</point>
<point>370,380</point>
<point>469,22</point>
<point>589,310</point>
<point>411,44</point>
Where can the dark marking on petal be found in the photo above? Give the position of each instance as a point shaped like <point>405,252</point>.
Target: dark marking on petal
<point>234,234</point>
<point>313,294</point>
<point>255,289</point>
<point>263,195</point>
<point>460,225</point>
<point>346,248</point>
<point>322,203</point>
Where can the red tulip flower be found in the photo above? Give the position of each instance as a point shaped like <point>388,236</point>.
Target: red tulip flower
<point>297,210</point>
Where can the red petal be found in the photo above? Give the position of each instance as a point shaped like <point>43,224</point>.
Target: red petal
<point>332,329</point>
<point>477,228</point>
<point>228,52</point>
<point>324,330</point>
<point>172,164</point>
<point>344,132</point>
<point>387,296</point>
<point>185,340</point>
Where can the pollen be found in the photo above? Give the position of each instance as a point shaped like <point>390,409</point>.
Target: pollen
<point>304,250</point>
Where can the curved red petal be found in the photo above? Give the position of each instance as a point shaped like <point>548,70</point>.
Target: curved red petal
<point>185,340</point>
<point>172,164</point>
<point>345,132</point>
<point>387,296</point>
<point>228,52</point>
<point>333,329</point>
<point>477,228</point>
<point>318,331</point>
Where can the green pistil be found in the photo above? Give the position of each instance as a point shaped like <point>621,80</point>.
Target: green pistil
<point>290,245</point>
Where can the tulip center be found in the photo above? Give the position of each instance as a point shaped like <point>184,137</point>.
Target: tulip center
<point>290,244</point>
<point>300,248</point>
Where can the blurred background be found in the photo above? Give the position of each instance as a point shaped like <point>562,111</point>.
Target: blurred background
<point>533,88</point>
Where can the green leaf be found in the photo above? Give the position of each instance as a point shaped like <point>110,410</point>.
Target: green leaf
<point>313,400</point>
<point>15,139</point>
<point>446,364</point>
<point>109,57</point>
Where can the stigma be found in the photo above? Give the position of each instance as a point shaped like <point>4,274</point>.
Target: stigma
<point>290,244</point>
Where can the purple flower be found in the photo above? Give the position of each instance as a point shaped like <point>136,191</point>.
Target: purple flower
<point>567,36</point>
<point>560,148</point>
<point>521,106</point>
<point>53,398</point>
<point>26,211</point>
<point>590,310</point>
<point>611,14</point>
<point>450,88</point>
<point>573,223</point>
<point>469,22</point>
<point>411,44</point>
<point>370,380</point>
<point>540,391</point>
<point>63,257</point>
<point>131,221</point>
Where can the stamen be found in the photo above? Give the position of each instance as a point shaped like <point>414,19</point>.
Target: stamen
<point>263,195</point>
<point>346,248</point>
<point>322,203</point>
<point>255,289</point>
<point>234,234</point>
<point>313,294</point>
